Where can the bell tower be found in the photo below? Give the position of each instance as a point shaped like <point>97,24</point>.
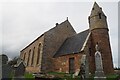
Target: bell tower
<point>99,34</point>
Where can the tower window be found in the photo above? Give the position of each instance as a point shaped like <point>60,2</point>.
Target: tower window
<point>99,15</point>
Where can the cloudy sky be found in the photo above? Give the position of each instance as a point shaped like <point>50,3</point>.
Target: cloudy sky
<point>22,21</point>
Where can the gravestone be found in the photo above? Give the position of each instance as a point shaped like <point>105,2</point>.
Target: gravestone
<point>19,69</point>
<point>83,67</point>
<point>82,61</point>
<point>76,73</point>
<point>82,71</point>
<point>99,73</point>
<point>7,71</point>
<point>3,58</point>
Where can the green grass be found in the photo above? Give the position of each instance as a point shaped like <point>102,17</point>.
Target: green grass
<point>65,76</point>
<point>28,75</point>
<point>11,75</point>
<point>56,73</point>
<point>113,77</point>
<point>108,77</point>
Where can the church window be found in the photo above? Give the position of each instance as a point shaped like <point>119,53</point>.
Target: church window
<point>39,49</point>
<point>28,57</point>
<point>99,15</point>
<point>24,55</point>
<point>33,56</point>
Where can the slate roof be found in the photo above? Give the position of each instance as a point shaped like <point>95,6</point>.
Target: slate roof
<point>73,44</point>
<point>52,31</point>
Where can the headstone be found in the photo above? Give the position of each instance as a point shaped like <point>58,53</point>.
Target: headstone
<point>87,52</point>
<point>82,61</point>
<point>98,61</point>
<point>4,58</point>
<point>76,72</point>
<point>99,73</point>
<point>83,68</point>
<point>19,69</point>
<point>82,71</point>
<point>7,71</point>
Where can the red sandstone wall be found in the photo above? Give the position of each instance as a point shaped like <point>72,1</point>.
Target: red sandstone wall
<point>101,36</point>
<point>62,62</point>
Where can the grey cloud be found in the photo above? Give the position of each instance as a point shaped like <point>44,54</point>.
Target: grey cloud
<point>24,22</point>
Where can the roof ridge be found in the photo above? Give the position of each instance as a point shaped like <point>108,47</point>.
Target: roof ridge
<point>78,33</point>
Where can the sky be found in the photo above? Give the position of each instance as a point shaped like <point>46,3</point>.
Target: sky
<point>22,21</point>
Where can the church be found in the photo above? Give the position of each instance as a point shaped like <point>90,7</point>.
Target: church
<point>61,49</point>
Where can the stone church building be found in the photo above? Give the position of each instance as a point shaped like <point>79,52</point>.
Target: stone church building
<point>60,49</point>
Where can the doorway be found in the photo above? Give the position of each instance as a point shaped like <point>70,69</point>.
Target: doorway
<point>71,65</point>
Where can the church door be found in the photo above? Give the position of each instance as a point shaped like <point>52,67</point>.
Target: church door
<point>71,65</point>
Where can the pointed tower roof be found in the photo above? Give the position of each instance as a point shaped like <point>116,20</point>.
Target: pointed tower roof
<point>96,9</point>
<point>96,5</point>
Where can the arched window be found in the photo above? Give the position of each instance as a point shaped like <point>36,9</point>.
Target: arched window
<point>24,55</point>
<point>33,56</point>
<point>28,57</point>
<point>99,15</point>
<point>39,49</point>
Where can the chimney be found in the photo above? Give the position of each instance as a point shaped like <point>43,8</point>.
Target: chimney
<point>56,24</point>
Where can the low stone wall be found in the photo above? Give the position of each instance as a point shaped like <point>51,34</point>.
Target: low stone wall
<point>32,69</point>
<point>117,71</point>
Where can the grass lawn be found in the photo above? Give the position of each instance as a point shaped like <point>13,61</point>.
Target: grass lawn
<point>64,76</point>
<point>29,76</point>
<point>113,77</point>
